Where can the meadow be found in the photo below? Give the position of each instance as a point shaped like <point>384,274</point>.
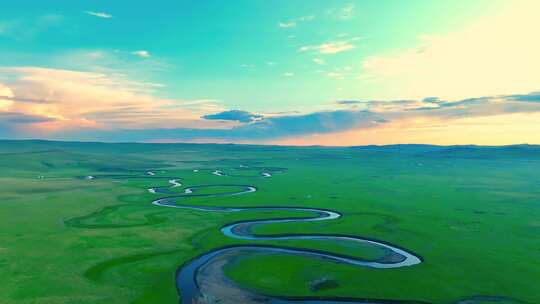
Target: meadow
<point>472,214</point>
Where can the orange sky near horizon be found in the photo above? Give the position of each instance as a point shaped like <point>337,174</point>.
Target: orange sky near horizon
<point>496,130</point>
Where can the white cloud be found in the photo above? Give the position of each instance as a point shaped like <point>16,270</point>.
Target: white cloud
<point>495,55</point>
<point>288,74</point>
<point>335,75</point>
<point>307,18</point>
<point>329,47</point>
<point>295,22</point>
<point>99,14</point>
<point>339,72</point>
<point>287,24</point>
<point>318,61</point>
<point>5,97</point>
<point>72,100</point>
<point>141,53</point>
<point>5,91</point>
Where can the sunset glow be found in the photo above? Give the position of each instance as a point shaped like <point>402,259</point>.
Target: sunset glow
<point>326,73</point>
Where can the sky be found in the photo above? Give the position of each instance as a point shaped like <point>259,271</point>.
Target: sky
<point>306,72</point>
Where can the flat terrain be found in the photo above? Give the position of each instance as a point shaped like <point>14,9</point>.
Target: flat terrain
<point>77,224</point>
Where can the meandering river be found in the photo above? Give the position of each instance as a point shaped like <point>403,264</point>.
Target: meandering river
<point>203,280</point>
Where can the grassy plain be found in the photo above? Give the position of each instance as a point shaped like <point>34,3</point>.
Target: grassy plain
<point>472,214</point>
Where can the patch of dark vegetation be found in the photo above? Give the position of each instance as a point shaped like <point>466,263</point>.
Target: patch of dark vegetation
<point>39,190</point>
<point>481,212</point>
<point>47,164</point>
<point>323,284</point>
<point>490,300</point>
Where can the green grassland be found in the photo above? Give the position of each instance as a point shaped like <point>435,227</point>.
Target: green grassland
<point>472,214</point>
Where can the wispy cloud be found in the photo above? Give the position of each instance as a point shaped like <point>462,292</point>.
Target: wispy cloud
<point>295,22</point>
<point>339,72</point>
<point>141,53</point>
<point>318,60</point>
<point>307,18</point>
<point>335,75</point>
<point>328,47</point>
<point>440,108</point>
<point>28,28</point>
<point>99,14</point>
<point>118,63</point>
<point>347,12</point>
<point>74,100</point>
<point>288,74</point>
<point>286,24</point>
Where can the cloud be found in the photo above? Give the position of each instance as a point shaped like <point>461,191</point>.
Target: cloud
<point>77,100</point>
<point>435,107</point>
<point>18,125</point>
<point>267,129</point>
<point>318,61</point>
<point>99,14</point>
<point>294,23</point>
<point>6,94</point>
<point>347,12</point>
<point>495,55</point>
<point>116,63</point>
<point>338,72</point>
<point>120,115</point>
<point>234,115</point>
<point>531,97</point>
<point>318,122</point>
<point>287,24</point>
<point>141,53</point>
<point>350,102</point>
<point>28,28</point>
<point>288,74</point>
<point>5,91</point>
<point>335,75</point>
<point>20,118</point>
<point>307,18</point>
<point>331,47</point>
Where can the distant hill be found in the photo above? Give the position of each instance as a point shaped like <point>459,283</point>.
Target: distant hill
<point>465,151</point>
<point>485,152</point>
<point>403,148</point>
<point>416,150</point>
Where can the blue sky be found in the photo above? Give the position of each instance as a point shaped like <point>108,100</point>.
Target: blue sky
<point>74,68</point>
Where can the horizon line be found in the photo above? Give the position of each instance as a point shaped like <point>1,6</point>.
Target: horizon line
<point>262,144</point>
